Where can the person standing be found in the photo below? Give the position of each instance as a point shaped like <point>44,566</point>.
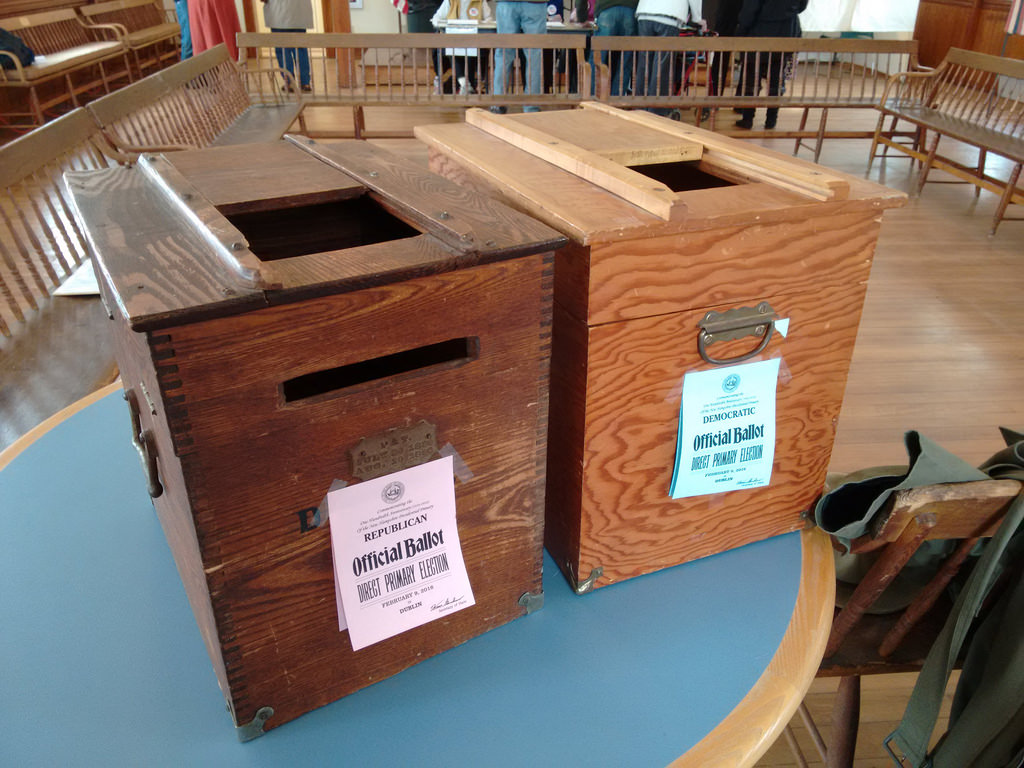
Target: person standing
<point>727,15</point>
<point>468,66</point>
<point>291,16</point>
<point>181,9</point>
<point>766,18</point>
<point>418,19</point>
<point>531,17</point>
<point>212,22</point>
<point>617,18</point>
<point>661,18</point>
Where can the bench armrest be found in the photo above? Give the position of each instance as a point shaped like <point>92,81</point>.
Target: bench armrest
<point>18,68</point>
<point>120,31</point>
<point>253,78</point>
<point>907,86</point>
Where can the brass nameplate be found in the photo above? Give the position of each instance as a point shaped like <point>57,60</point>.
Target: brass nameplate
<point>395,449</point>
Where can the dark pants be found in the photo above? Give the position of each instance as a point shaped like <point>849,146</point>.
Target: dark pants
<point>762,65</point>
<point>618,20</point>
<point>654,68</point>
<point>294,60</point>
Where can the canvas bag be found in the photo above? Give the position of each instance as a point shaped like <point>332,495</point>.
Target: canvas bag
<point>13,44</point>
<point>987,721</point>
<point>846,512</point>
<point>986,725</point>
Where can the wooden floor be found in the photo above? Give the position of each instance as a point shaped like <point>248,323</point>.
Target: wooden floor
<point>938,351</point>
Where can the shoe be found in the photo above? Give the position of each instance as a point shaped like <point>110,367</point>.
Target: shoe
<point>307,89</point>
<point>287,88</point>
<point>769,124</point>
<point>745,123</point>
<point>704,116</point>
<point>499,110</point>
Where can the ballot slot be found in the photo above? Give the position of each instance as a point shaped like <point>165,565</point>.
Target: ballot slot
<point>429,358</point>
<point>318,228</point>
<point>681,176</point>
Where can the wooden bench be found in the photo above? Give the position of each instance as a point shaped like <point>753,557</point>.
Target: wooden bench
<point>819,74</point>
<point>72,58</point>
<point>150,31</point>
<point>40,245</point>
<point>203,101</point>
<point>971,97</point>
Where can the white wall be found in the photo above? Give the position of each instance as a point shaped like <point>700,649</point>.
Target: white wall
<point>375,16</point>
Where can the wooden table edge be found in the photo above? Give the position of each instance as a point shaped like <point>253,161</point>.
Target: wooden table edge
<point>759,719</point>
<point>11,452</point>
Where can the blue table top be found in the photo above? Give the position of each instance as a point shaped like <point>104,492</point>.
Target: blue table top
<point>101,662</point>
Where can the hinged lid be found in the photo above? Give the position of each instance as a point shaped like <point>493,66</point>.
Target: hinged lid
<point>190,235</point>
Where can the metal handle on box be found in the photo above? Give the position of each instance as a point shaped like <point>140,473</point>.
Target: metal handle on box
<point>142,439</point>
<point>735,324</point>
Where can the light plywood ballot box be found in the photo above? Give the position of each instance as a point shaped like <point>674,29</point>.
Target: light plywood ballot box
<point>290,315</point>
<point>689,252</point>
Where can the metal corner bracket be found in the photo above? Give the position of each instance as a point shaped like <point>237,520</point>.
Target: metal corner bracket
<point>254,729</point>
<point>532,602</point>
<point>587,584</point>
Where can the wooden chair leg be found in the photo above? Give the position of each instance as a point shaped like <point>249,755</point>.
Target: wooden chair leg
<point>71,89</point>
<point>982,156</point>
<point>821,134</point>
<point>933,148</point>
<point>794,747</point>
<point>36,106</point>
<point>1004,201</point>
<point>803,123</point>
<point>875,140</point>
<point>358,121</point>
<point>812,729</point>
<point>845,723</point>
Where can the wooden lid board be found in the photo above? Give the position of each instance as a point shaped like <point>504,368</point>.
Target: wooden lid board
<point>588,172</point>
<point>177,236</point>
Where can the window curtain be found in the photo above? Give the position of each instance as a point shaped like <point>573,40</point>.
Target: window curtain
<point>859,16</point>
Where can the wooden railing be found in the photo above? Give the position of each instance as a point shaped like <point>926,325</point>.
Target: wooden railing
<point>704,73</point>
<point>400,70</point>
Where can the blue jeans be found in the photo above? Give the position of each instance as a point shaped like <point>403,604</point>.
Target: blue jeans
<point>518,16</point>
<point>654,73</point>
<point>618,21</point>
<point>181,10</point>
<point>286,59</point>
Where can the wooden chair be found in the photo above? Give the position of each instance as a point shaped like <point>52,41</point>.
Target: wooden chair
<point>40,242</point>
<point>861,643</point>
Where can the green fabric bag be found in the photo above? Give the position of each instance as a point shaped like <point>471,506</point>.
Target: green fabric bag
<point>986,726</point>
<point>846,512</point>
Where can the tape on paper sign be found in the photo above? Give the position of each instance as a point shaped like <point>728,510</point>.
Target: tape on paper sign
<point>322,514</point>
<point>459,467</point>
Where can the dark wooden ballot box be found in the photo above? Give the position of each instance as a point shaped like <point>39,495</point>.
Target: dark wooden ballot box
<point>289,315</point>
<point>689,252</point>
